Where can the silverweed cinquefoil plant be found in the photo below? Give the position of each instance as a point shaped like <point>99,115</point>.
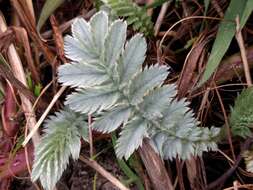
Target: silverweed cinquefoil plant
<point>109,81</point>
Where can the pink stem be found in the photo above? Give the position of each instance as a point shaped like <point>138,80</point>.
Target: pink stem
<point>15,166</point>
<point>9,111</point>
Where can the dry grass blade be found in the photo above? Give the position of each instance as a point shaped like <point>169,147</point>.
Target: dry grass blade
<point>192,174</point>
<point>29,24</point>
<point>66,25</point>
<point>18,70</point>
<point>183,20</point>
<point>58,39</point>
<point>21,36</point>
<point>240,42</point>
<point>188,77</point>
<point>6,39</point>
<point>48,8</point>
<point>155,167</point>
<point>233,66</point>
<point>6,73</point>
<point>30,7</point>
<point>228,130</point>
<point>160,17</point>
<point>44,115</point>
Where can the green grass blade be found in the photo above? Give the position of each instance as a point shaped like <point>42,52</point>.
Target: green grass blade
<point>206,5</point>
<point>225,34</point>
<point>246,13</point>
<point>49,7</point>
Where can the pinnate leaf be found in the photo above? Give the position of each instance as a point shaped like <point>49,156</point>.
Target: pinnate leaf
<point>111,120</point>
<point>133,57</point>
<point>61,141</point>
<point>81,74</point>
<point>156,101</point>
<point>99,29</point>
<point>114,41</point>
<point>131,137</point>
<point>148,79</point>
<point>125,95</point>
<point>90,100</point>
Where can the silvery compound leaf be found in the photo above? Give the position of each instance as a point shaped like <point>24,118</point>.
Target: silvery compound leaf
<point>99,29</point>
<point>90,100</point>
<point>115,41</point>
<point>81,74</point>
<point>132,57</point>
<point>157,141</point>
<point>156,101</point>
<point>112,119</point>
<point>174,111</point>
<point>81,30</point>
<point>150,78</point>
<point>112,85</point>
<point>75,51</point>
<point>60,141</point>
<point>131,137</point>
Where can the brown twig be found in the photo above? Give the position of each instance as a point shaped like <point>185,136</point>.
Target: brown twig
<point>183,20</point>
<point>90,135</point>
<point>240,42</point>
<point>239,186</point>
<point>229,135</point>
<point>103,172</point>
<point>57,35</point>
<point>220,181</point>
<point>151,10</point>
<point>66,25</point>
<point>192,174</point>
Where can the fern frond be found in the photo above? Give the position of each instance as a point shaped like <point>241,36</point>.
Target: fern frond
<point>61,141</point>
<point>134,14</point>
<point>135,98</point>
<point>241,118</point>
